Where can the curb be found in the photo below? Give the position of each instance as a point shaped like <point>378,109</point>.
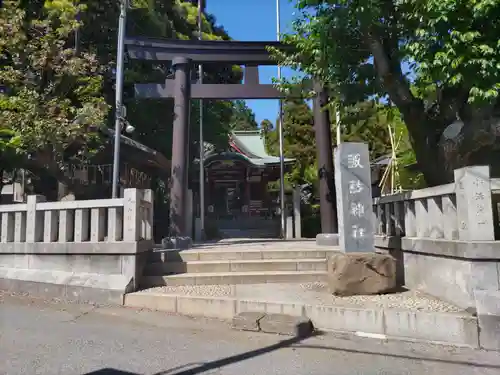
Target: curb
<point>429,327</point>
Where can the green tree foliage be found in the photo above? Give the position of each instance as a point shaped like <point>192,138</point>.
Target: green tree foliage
<point>299,144</point>
<point>57,75</point>
<point>159,19</point>
<point>243,117</point>
<point>363,122</point>
<point>359,48</point>
<point>367,122</point>
<point>52,97</point>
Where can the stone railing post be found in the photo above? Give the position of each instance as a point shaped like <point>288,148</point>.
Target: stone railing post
<point>475,223</point>
<point>474,206</point>
<point>148,214</point>
<point>189,213</point>
<point>297,221</point>
<point>131,223</point>
<point>34,219</point>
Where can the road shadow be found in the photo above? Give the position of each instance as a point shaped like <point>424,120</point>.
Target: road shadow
<point>302,333</point>
<point>293,342</point>
<point>399,356</point>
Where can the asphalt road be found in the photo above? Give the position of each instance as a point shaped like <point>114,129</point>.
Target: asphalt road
<point>38,337</point>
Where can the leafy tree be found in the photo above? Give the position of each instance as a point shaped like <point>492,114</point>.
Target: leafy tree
<point>9,156</point>
<point>243,117</point>
<point>363,122</point>
<point>451,46</point>
<point>52,99</point>
<point>159,19</point>
<point>298,137</point>
<point>57,85</point>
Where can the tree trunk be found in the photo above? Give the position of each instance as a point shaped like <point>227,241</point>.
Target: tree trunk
<point>474,141</point>
<point>426,146</point>
<point>424,132</point>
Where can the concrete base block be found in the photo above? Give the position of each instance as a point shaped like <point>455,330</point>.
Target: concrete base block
<point>299,318</point>
<point>488,312</point>
<point>447,328</point>
<point>327,239</point>
<point>177,243</point>
<point>286,325</point>
<point>248,321</point>
<point>351,319</point>
<point>79,287</point>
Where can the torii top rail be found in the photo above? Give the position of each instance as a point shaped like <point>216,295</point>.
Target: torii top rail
<point>248,54</point>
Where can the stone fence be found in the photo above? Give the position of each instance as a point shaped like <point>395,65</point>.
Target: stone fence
<point>445,237</point>
<point>91,250</point>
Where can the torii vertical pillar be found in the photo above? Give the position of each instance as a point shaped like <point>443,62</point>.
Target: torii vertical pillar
<point>180,150</point>
<point>327,197</point>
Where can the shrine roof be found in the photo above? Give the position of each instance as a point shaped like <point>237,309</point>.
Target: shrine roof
<point>251,144</point>
<point>151,157</point>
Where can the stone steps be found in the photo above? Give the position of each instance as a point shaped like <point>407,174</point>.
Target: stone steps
<point>213,278</point>
<point>245,253</point>
<point>249,233</point>
<point>210,266</point>
<point>242,263</point>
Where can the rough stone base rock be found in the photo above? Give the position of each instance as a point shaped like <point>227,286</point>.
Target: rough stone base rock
<point>361,274</point>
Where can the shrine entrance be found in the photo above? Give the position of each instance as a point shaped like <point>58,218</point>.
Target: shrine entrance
<point>226,202</point>
<point>183,55</point>
<point>238,201</point>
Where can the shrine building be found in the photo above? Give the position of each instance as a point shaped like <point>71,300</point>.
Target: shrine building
<point>237,194</point>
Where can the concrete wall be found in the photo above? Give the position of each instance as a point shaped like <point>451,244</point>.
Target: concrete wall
<point>91,250</point>
<point>450,270</point>
<point>444,240</point>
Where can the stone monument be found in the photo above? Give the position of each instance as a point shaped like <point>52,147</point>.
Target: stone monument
<point>354,197</point>
<point>357,269</point>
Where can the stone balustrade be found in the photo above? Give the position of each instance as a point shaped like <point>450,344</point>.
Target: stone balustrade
<point>126,219</point>
<point>90,249</point>
<point>445,237</point>
<point>462,210</point>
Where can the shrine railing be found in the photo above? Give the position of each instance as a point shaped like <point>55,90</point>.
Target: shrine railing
<point>127,219</point>
<point>445,239</point>
<point>465,210</point>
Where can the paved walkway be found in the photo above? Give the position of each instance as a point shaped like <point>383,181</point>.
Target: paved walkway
<point>37,337</point>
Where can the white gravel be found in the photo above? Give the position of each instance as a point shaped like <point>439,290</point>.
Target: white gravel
<point>194,290</point>
<point>312,293</point>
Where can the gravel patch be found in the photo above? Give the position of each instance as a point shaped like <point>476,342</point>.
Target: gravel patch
<point>408,300</point>
<point>194,290</point>
<point>312,293</point>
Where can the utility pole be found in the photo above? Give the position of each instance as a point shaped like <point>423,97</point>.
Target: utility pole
<point>280,133</point>
<point>120,56</point>
<point>201,8</point>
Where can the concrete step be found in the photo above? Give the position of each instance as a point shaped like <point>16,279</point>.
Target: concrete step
<point>250,233</point>
<point>204,266</point>
<point>162,255</point>
<point>234,278</point>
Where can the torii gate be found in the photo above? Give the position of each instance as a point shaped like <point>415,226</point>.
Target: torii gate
<point>184,54</point>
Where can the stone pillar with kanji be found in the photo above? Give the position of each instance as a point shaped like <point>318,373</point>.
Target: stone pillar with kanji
<point>354,197</point>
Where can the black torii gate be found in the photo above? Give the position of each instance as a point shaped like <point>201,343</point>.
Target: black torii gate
<point>183,54</point>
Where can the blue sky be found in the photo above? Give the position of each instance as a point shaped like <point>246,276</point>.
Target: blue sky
<point>255,20</point>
